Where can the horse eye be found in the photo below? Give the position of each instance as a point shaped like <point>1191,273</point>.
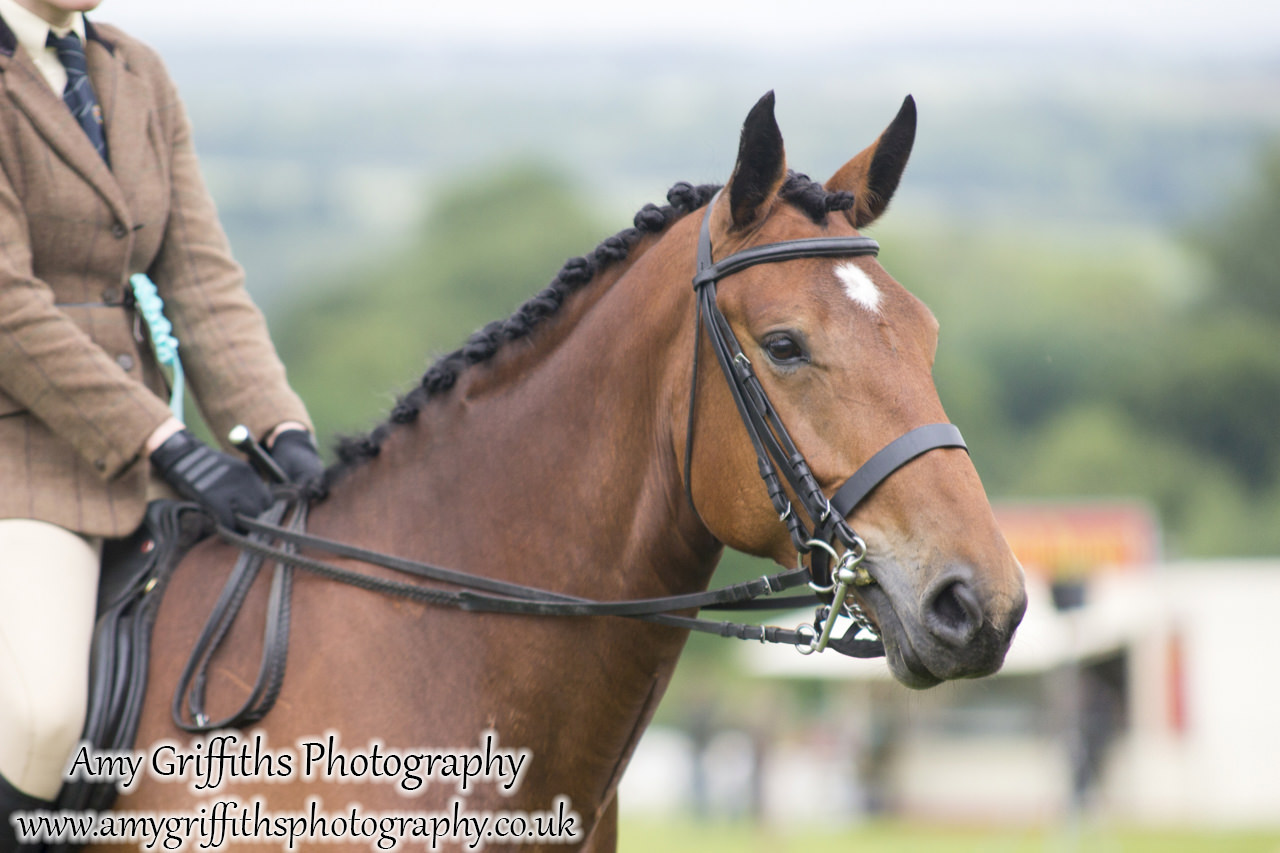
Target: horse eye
<point>784,349</point>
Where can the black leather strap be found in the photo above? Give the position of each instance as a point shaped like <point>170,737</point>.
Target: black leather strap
<point>875,471</point>
<point>490,594</point>
<point>890,458</point>
<point>190,690</point>
<point>813,247</point>
<point>534,601</point>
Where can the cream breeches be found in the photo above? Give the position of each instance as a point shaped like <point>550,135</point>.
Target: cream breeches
<point>48,592</point>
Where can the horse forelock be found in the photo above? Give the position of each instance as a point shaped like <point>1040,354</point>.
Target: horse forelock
<point>811,197</point>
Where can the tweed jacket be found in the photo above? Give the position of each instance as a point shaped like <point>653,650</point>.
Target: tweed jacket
<point>79,385</point>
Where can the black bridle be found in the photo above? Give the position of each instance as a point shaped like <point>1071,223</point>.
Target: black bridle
<point>774,448</point>
<point>774,451</point>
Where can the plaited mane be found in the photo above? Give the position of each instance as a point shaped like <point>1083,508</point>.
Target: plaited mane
<point>683,198</point>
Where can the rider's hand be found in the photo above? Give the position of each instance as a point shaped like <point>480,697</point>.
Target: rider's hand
<point>220,483</point>
<point>294,450</point>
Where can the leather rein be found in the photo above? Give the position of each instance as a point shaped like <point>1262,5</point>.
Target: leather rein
<point>829,575</point>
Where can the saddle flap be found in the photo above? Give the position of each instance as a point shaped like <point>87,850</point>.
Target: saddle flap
<point>131,584</point>
<point>168,528</point>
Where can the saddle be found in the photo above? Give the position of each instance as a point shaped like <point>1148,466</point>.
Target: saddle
<point>132,581</point>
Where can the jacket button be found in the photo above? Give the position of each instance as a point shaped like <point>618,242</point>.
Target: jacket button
<point>125,361</point>
<point>119,231</point>
<point>100,464</point>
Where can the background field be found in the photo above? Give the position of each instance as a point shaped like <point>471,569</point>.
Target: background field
<point>690,837</point>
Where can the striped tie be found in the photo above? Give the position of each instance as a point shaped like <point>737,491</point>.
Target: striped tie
<point>78,95</point>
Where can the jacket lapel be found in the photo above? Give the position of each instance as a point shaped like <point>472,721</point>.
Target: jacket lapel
<point>51,118</point>
<point>126,111</point>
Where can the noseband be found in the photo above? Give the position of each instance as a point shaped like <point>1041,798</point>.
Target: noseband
<point>775,450</point>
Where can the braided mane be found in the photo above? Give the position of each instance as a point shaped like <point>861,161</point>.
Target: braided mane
<point>683,198</point>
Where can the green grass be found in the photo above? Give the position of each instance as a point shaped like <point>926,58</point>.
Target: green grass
<point>643,836</point>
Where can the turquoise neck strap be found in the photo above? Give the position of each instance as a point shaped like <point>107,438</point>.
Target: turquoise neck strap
<point>151,306</point>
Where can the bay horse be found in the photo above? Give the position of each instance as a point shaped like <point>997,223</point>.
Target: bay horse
<point>556,449</point>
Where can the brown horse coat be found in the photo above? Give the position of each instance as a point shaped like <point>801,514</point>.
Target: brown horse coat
<point>557,461</point>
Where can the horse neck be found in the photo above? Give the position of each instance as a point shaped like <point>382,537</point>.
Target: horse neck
<point>553,466</point>
<point>556,463</point>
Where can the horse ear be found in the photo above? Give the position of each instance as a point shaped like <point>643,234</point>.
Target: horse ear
<point>761,166</point>
<point>873,175</point>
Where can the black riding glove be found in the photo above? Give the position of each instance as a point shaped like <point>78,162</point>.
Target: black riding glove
<point>220,483</point>
<point>295,452</point>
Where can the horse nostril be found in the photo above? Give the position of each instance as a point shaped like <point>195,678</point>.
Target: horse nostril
<point>954,614</point>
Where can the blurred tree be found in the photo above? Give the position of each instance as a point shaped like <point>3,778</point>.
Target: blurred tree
<point>1218,388</point>
<point>1242,245</point>
<point>489,242</point>
<point>1213,383</point>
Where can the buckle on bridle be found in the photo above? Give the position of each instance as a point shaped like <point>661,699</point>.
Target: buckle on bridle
<point>826,512</point>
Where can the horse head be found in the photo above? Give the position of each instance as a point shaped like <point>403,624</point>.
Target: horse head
<point>845,355</point>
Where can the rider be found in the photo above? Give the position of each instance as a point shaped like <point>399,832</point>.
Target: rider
<point>99,182</point>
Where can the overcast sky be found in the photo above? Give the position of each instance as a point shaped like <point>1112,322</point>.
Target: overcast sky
<point>1193,26</point>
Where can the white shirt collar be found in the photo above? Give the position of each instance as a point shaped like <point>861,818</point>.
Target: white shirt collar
<point>32,30</point>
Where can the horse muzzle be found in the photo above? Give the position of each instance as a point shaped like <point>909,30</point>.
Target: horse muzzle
<point>950,630</point>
